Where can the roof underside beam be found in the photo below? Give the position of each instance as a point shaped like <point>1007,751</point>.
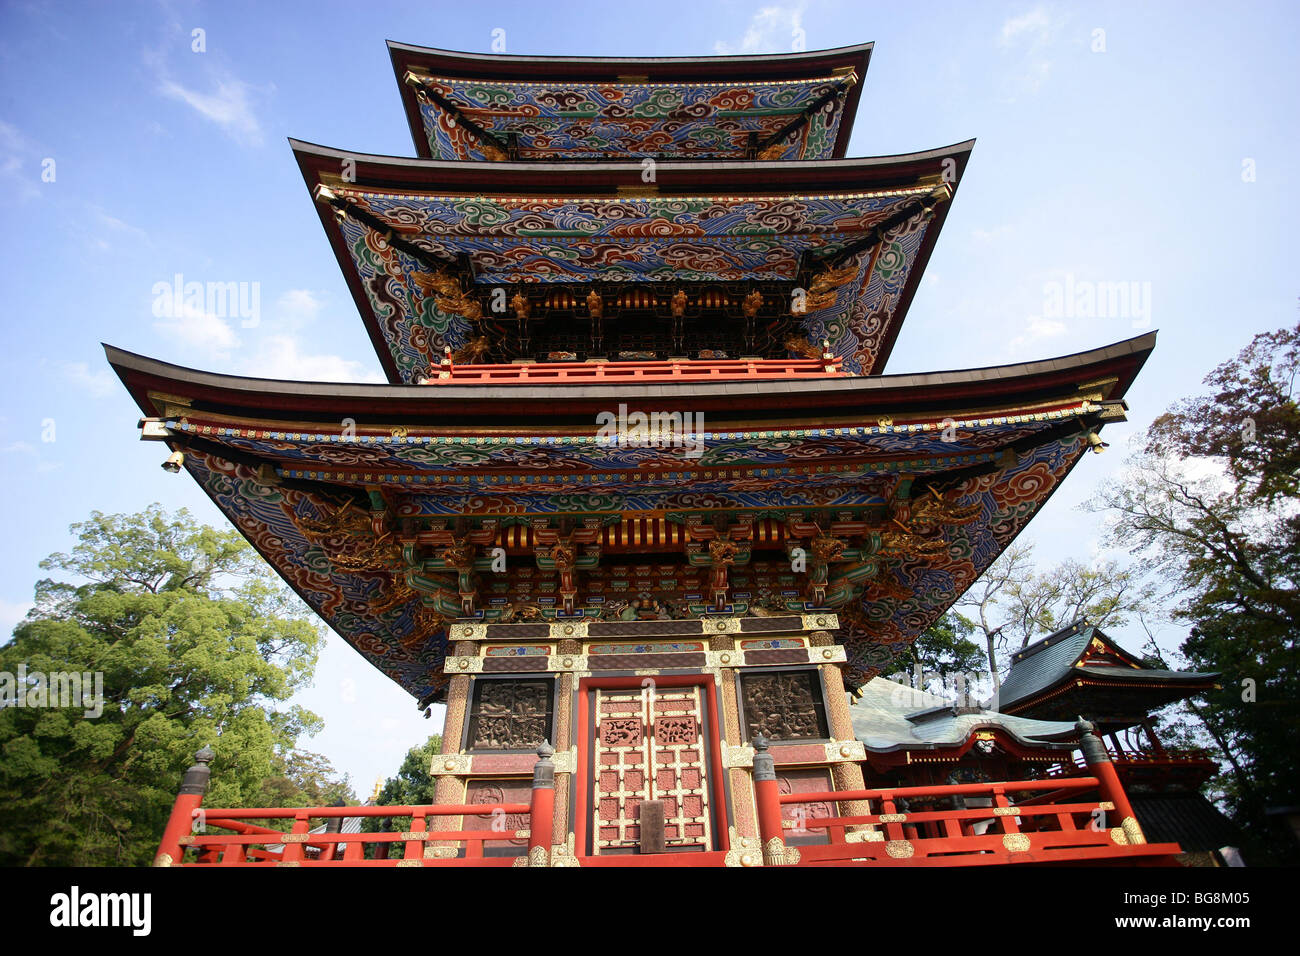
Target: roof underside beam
<point>347,208</point>
<point>759,146</point>
<point>880,230</point>
<point>505,150</point>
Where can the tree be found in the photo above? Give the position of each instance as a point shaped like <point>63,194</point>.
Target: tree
<point>1210,502</point>
<point>196,643</point>
<point>305,779</point>
<point>413,784</point>
<point>945,647</point>
<point>944,660</point>
<point>1014,604</point>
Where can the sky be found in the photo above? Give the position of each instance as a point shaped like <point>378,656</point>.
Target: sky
<point>1149,144</point>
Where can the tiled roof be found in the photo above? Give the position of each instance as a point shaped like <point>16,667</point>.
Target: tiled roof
<point>881,721</point>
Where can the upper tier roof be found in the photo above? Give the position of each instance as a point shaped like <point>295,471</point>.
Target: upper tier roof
<point>471,106</point>
<point>538,226</point>
<point>1079,670</point>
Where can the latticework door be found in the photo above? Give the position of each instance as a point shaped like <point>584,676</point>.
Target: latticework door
<point>650,745</point>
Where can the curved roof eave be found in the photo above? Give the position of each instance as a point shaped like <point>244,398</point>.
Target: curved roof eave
<point>505,67</point>
<point>968,384</point>
<point>324,165</point>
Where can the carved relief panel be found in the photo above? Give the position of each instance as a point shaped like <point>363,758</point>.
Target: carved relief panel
<point>783,705</point>
<point>510,714</point>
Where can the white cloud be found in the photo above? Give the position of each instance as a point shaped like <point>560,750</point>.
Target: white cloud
<point>20,164</point>
<point>298,307</point>
<point>11,615</point>
<point>195,328</point>
<point>228,106</point>
<point>280,353</point>
<point>771,30</point>
<point>1036,24</point>
<point>990,235</point>
<point>28,450</point>
<point>1030,35</point>
<point>280,356</point>
<point>1038,328</point>
<point>99,383</point>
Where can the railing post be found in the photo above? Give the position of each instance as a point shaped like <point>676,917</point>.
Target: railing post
<point>541,811</point>
<point>188,799</point>
<point>295,850</point>
<point>767,797</point>
<point>333,825</point>
<point>1099,763</point>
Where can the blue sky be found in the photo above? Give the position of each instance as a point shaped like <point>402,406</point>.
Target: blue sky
<point>1160,151</point>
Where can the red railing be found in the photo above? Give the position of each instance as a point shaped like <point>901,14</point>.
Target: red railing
<point>722,370</point>
<point>1003,832</point>
<point>252,844</point>
<point>1064,819</point>
<point>1039,829</point>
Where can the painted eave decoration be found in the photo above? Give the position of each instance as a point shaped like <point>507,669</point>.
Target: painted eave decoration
<point>465,106</point>
<point>424,245</point>
<point>277,460</point>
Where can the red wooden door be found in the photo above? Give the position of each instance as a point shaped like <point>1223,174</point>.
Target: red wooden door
<point>650,744</point>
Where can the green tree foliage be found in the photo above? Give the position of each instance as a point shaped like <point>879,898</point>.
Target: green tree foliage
<point>1210,504</point>
<point>198,644</point>
<point>413,784</point>
<point>945,647</point>
<point>301,778</point>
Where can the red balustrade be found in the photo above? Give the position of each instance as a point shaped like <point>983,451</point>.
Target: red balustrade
<point>1063,819</point>
<point>550,373</point>
<point>1032,831</point>
<point>248,844</point>
<point>252,844</point>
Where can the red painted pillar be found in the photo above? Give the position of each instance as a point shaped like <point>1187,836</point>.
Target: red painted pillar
<point>188,799</point>
<point>541,811</point>
<point>767,797</point>
<point>1099,763</point>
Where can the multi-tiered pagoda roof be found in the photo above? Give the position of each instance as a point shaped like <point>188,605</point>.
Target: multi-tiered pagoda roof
<point>676,236</point>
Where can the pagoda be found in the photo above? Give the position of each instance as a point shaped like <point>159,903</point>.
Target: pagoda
<point>638,503</point>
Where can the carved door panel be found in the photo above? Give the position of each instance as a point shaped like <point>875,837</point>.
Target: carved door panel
<point>650,745</point>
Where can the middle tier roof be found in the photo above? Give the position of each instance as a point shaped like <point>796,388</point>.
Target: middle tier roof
<point>853,235</point>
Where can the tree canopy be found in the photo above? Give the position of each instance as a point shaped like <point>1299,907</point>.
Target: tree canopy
<point>1209,503</point>
<point>198,643</point>
<point>1013,604</point>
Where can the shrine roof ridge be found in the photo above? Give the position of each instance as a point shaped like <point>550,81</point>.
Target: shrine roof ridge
<point>528,66</point>
<point>1139,345</point>
<point>1055,659</point>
